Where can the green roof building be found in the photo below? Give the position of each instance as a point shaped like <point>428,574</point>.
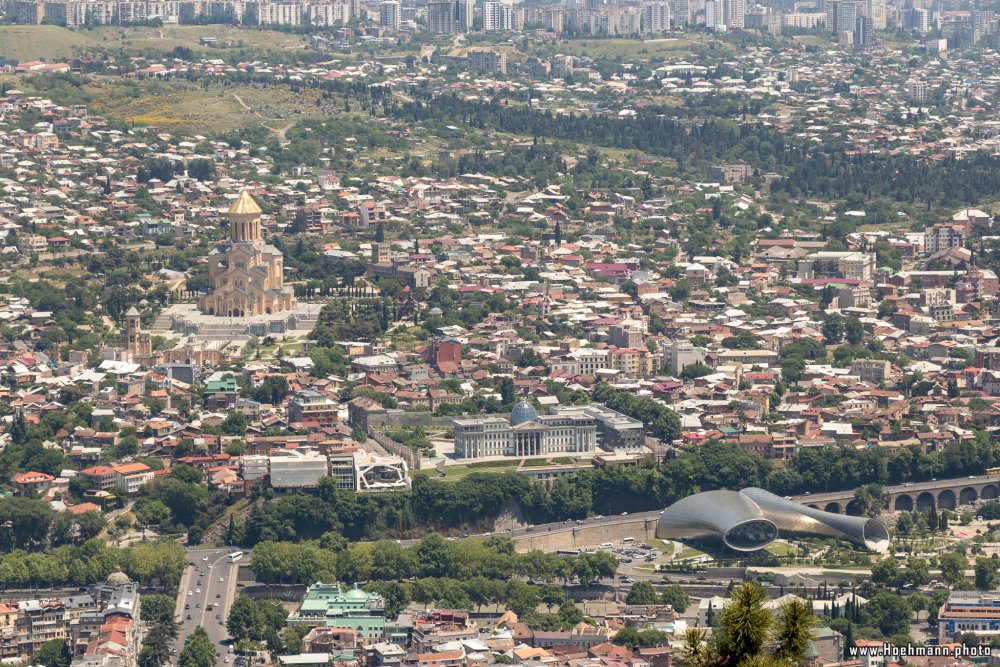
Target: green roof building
<point>331,606</point>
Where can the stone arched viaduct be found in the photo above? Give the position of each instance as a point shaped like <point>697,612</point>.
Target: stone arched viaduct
<point>940,494</point>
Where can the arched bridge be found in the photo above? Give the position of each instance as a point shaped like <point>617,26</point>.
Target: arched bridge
<point>940,493</point>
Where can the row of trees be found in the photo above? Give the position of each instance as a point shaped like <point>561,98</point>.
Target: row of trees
<point>478,499</point>
<point>154,564</point>
<point>643,593</point>
<point>459,574</point>
<point>332,558</point>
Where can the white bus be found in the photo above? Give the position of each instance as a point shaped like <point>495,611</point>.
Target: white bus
<point>235,556</point>
<point>606,545</point>
<point>628,540</point>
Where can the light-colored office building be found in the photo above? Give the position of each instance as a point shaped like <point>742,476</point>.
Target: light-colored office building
<point>296,469</point>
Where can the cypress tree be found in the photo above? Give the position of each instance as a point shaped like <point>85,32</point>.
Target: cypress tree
<point>848,641</point>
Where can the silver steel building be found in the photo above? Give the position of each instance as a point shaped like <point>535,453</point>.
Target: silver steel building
<point>751,519</point>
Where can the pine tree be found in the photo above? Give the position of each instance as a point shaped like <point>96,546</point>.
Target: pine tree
<point>231,531</point>
<point>379,232</point>
<point>558,233</point>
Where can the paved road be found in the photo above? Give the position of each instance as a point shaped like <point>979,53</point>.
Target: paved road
<point>210,581</point>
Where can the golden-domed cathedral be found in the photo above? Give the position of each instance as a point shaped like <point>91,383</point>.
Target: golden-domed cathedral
<point>248,279</point>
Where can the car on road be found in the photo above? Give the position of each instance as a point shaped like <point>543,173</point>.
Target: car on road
<point>624,513</point>
<point>197,590</point>
<point>218,616</point>
<point>226,660</point>
<point>205,558</point>
<point>218,595</point>
<point>190,592</point>
<point>222,578</point>
<point>189,617</point>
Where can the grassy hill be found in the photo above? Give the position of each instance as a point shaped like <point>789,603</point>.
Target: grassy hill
<point>49,42</point>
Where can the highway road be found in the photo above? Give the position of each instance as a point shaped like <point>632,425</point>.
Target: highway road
<point>208,589</point>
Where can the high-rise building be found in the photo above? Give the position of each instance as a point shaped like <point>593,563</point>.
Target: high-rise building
<point>918,20</point>
<point>441,17</point>
<point>389,14</point>
<point>448,17</point>
<point>486,60</point>
<point>842,15</point>
<point>655,17</point>
<point>864,40</point>
<point>492,16</point>
<point>501,17</point>
<point>464,14</point>
<point>877,13</point>
<point>733,12</point>
<point>713,15</point>
<point>680,12</point>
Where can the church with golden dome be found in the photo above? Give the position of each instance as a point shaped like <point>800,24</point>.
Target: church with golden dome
<point>248,278</point>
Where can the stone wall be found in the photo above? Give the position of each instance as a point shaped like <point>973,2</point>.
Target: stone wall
<point>414,459</point>
<point>392,419</point>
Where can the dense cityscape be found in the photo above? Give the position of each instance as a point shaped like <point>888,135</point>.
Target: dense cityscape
<point>459,333</point>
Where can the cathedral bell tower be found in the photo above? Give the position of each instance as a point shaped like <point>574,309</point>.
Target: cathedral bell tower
<point>244,220</point>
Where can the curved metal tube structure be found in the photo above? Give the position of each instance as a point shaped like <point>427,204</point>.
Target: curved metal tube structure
<point>725,517</point>
<point>790,516</point>
<point>750,519</point>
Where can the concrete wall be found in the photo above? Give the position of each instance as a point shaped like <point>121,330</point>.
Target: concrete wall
<point>578,537</point>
